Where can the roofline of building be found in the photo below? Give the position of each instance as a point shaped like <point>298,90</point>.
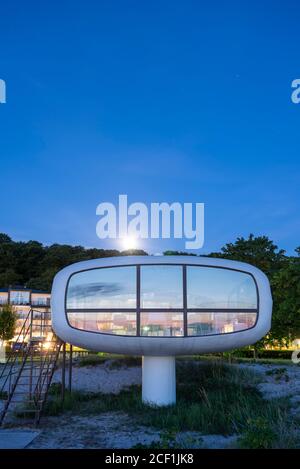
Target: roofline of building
<point>31,290</point>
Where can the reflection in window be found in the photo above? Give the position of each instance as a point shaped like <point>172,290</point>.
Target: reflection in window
<point>161,286</point>
<point>19,297</point>
<point>113,287</point>
<point>162,324</point>
<point>40,301</point>
<point>219,323</point>
<point>106,323</point>
<point>210,287</point>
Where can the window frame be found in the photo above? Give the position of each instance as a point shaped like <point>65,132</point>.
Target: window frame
<point>185,310</point>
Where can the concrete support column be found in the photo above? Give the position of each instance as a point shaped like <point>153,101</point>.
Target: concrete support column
<point>159,381</point>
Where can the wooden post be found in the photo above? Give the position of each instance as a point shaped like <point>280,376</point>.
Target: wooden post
<point>70,367</point>
<point>63,373</point>
<point>31,354</point>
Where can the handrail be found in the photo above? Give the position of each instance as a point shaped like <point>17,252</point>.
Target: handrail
<point>47,355</point>
<point>42,378</point>
<point>40,371</point>
<point>49,381</point>
<point>11,393</point>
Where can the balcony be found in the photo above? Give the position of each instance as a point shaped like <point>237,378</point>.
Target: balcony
<point>41,303</point>
<point>17,302</point>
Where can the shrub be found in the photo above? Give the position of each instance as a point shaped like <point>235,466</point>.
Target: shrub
<point>258,434</point>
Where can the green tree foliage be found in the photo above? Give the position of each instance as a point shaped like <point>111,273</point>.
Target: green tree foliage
<point>35,265</point>
<point>8,319</point>
<point>178,253</point>
<point>259,251</point>
<point>286,295</point>
<point>284,275</point>
<point>4,238</point>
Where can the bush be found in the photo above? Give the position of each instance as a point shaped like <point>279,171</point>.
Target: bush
<point>91,360</point>
<point>125,361</point>
<point>262,353</point>
<point>8,318</point>
<point>259,434</point>
<point>115,361</point>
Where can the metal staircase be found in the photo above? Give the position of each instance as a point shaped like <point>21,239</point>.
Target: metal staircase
<point>26,377</point>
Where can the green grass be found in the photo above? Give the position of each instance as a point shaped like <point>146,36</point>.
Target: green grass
<point>212,398</point>
<point>116,361</point>
<point>90,360</point>
<point>125,361</point>
<point>237,359</point>
<point>265,361</point>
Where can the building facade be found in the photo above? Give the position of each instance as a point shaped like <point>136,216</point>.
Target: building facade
<point>24,300</point>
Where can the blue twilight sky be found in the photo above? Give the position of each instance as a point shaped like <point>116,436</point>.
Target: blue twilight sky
<point>186,101</point>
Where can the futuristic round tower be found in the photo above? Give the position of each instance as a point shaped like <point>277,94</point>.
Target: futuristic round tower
<point>160,307</point>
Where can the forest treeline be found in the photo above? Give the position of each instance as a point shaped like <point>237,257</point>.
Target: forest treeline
<point>33,264</point>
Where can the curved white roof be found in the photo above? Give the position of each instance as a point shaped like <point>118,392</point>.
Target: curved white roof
<point>156,346</point>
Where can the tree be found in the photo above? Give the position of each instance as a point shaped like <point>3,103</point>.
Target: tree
<point>35,265</point>
<point>259,251</point>
<point>178,253</point>
<point>4,238</point>
<point>8,318</point>
<point>286,295</point>
<point>9,277</point>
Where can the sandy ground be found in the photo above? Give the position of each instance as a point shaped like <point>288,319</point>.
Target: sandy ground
<point>118,430</point>
<point>113,430</point>
<point>277,380</point>
<point>102,378</point>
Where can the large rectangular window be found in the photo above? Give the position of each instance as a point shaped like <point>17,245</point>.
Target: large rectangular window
<point>19,297</point>
<point>162,324</point>
<point>106,323</point>
<point>113,287</point>
<point>211,287</point>
<point>160,300</point>
<point>161,286</point>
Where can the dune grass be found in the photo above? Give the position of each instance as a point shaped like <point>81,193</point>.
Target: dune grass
<point>212,398</point>
<point>115,361</point>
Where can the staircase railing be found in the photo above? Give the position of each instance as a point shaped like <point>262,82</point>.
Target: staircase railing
<point>40,363</point>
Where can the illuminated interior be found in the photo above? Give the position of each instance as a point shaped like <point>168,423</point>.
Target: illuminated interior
<point>162,300</point>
